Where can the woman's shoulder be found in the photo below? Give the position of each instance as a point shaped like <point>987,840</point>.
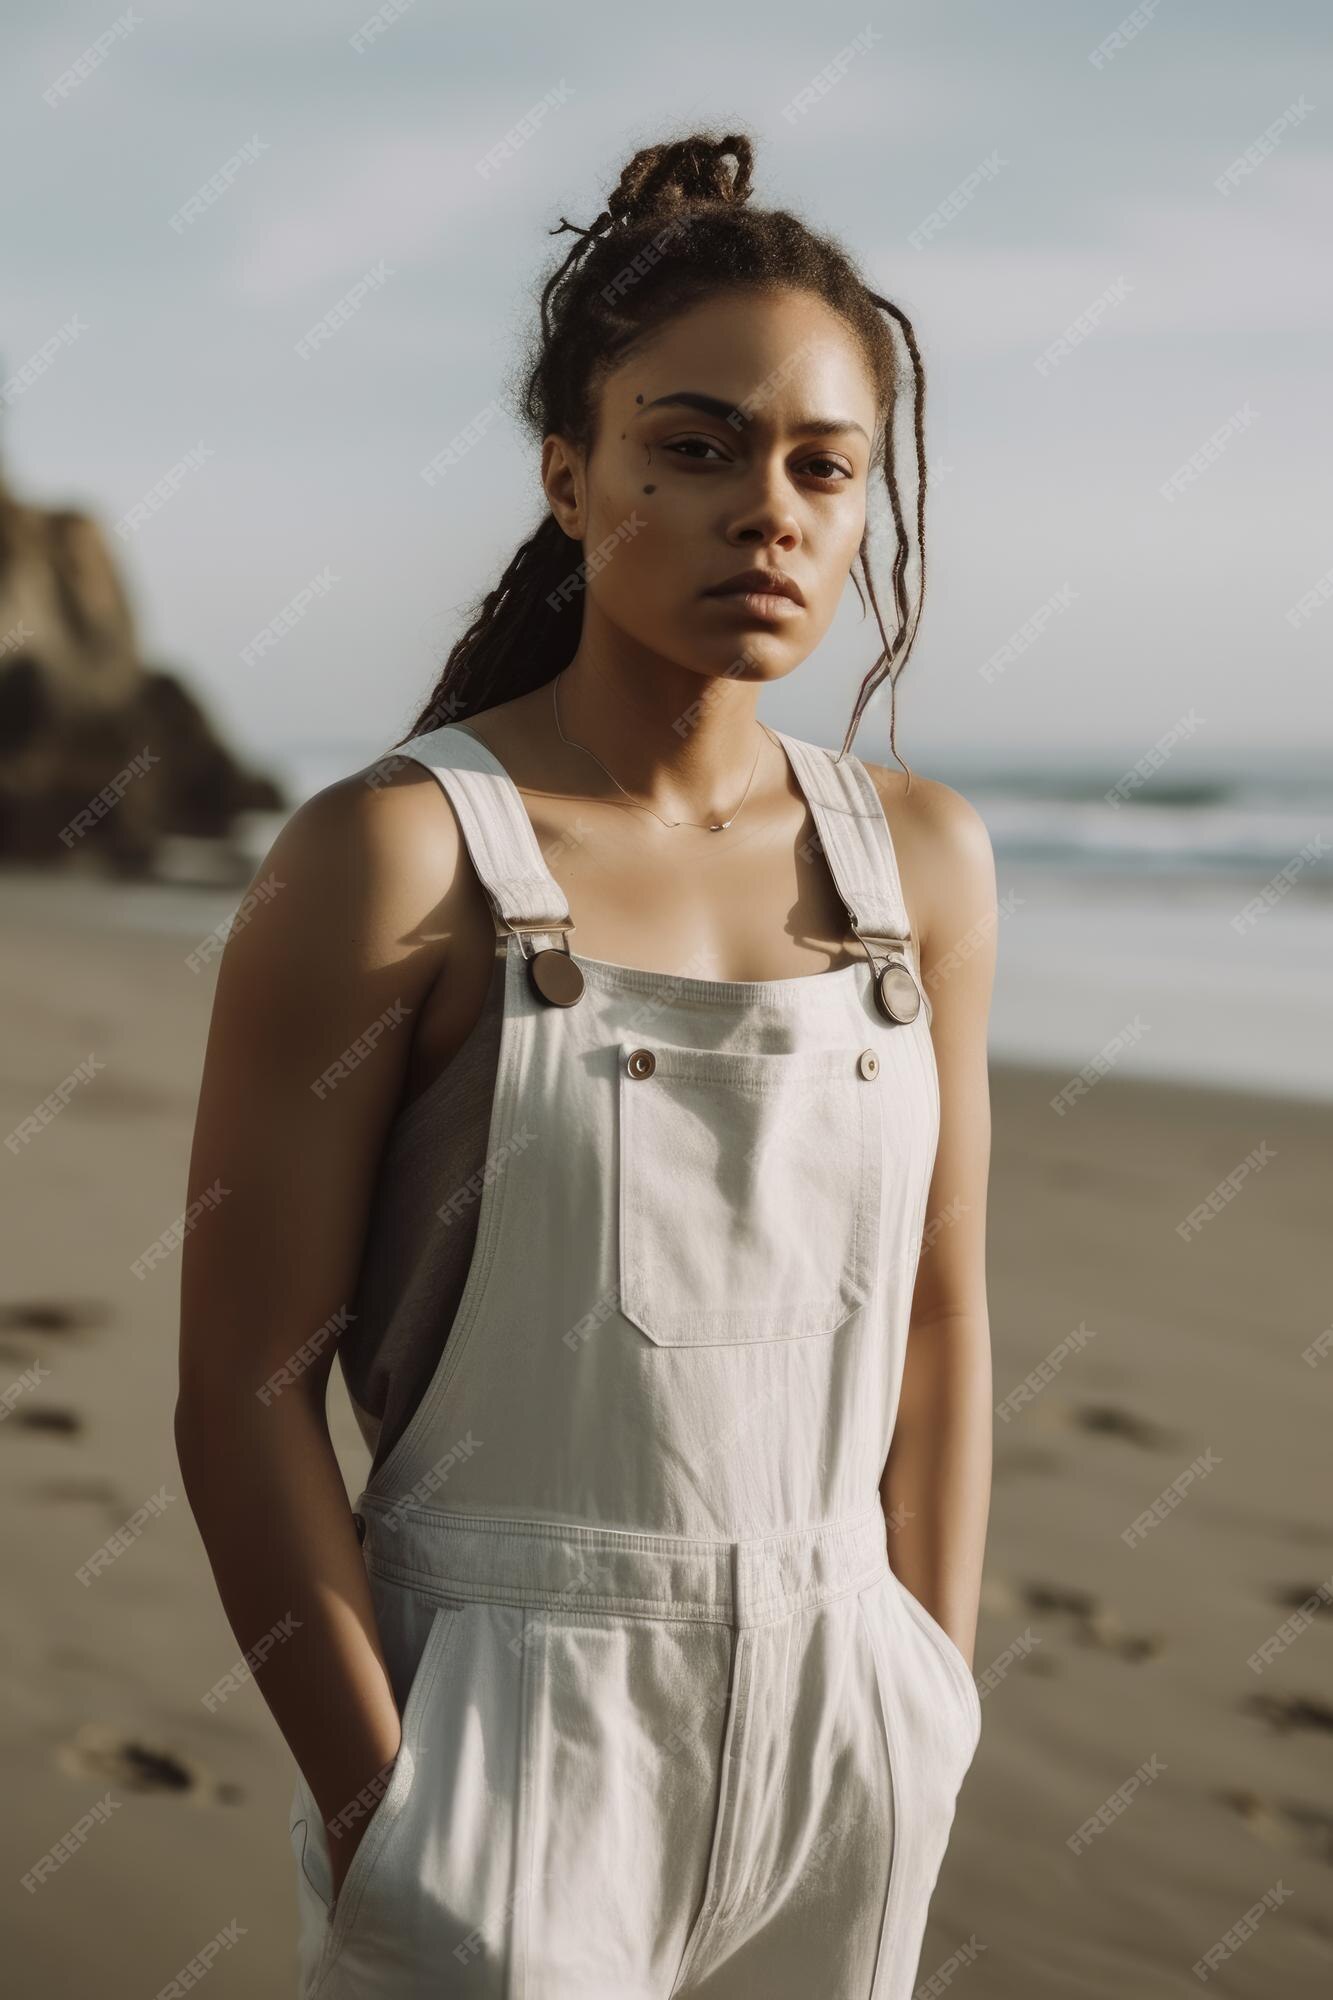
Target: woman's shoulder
<point>942,844</point>
<point>367,872</point>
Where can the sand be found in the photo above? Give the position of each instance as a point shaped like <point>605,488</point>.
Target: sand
<point>1117,1695</point>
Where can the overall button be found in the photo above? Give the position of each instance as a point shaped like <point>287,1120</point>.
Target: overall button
<point>897,994</point>
<point>868,1063</point>
<point>554,975</point>
<point>641,1062</point>
<point>360,1520</point>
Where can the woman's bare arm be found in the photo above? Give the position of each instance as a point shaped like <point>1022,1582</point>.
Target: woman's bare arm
<point>312,1022</point>
<point>936,1485</point>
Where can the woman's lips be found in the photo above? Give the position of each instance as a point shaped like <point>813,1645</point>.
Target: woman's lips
<point>762,604</point>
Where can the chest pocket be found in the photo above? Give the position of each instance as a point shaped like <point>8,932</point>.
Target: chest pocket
<point>749,1191</point>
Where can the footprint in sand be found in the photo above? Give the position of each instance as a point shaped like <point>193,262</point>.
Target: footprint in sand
<point>62,1423</point>
<point>92,1492</point>
<point>1285,1712</point>
<point>1092,1622</point>
<point>51,1316</point>
<point>1113,1420</point>
<point>104,1754</point>
<point>1307,1827</point>
<point>1299,1596</point>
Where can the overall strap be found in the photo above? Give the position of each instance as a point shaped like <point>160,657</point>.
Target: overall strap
<point>854,834</point>
<point>523,893</point>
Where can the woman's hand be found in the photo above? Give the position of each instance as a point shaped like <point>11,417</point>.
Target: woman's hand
<point>345,1830</point>
<point>351,929</point>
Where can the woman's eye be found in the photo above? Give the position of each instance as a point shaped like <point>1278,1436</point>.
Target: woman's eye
<point>684,444</point>
<point>837,468</point>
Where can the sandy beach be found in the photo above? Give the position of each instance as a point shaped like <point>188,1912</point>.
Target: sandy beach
<point>1152,1789</point>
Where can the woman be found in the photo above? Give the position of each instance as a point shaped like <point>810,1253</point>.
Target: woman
<point>577,1084</point>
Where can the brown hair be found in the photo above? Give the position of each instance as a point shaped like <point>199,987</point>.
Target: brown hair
<point>675,231</point>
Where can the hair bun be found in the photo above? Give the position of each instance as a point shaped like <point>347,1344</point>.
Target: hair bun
<point>660,180</point>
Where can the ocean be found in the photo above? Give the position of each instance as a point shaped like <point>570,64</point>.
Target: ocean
<point>1183,932</point>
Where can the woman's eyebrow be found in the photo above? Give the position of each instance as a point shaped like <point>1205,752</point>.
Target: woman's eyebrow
<point>718,406</point>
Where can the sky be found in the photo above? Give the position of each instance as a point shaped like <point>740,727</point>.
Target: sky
<point>1073,182</point>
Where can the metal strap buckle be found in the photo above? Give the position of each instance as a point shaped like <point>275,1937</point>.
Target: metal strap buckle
<point>897,992</point>
<point>553,973</point>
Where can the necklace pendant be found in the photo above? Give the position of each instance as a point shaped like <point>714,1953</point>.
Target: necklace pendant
<point>719,825</point>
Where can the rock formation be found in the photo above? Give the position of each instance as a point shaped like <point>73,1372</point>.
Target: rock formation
<point>100,753</point>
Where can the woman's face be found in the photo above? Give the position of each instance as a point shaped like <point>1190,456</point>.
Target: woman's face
<point>739,437</point>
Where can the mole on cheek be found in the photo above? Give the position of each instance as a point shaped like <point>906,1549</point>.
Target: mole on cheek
<point>650,489</point>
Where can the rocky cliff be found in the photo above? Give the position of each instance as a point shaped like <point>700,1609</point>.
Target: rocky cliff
<point>101,754</point>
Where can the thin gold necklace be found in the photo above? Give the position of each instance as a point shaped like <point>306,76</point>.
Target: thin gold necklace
<point>713,825</point>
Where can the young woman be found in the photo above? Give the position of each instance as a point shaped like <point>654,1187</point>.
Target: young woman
<point>604,1080</point>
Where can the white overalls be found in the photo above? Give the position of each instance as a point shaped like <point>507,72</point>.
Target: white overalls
<point>670,1725</point>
